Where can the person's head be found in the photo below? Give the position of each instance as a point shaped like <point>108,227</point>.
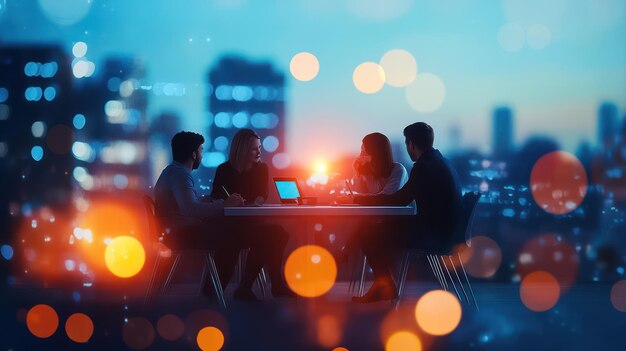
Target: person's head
<point>419,137</point>
<point>245,149</point>
<point>377,148</point>
<point>187,146</point>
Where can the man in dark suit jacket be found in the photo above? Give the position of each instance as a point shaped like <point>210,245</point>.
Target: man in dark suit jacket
<point>434,186</point>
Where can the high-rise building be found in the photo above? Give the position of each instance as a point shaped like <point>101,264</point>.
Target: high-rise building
<point>111,147</point>
<point>245,94</point>
<point>35,128</point>
<point>502,132</point>
<point>607,125</point>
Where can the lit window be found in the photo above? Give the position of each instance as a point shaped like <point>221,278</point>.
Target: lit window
<point>38,129</point>
<point>79,121</point>
<point>50,93</point>
<point>221,143</point>
<point>33,94</point>
<point>224,92</point>
<point>242,93</point>
<point>31,69</point>
<point>49,70</point>
<point>270,143</point>
<point>261,93</point>
<point>79,49</point>
<point>4,94</point>
<point>272,120</point>
<point>222,120</point>
<point>36,153</point>
<point>83,151</point>
<point>240,119</point>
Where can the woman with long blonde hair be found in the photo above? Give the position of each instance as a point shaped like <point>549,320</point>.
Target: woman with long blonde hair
<point>245,174</point>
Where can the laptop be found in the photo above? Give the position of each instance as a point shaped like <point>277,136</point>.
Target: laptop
<point>288,190</point>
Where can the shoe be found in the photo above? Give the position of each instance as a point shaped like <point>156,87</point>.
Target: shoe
<point>377,293</point>
<point>283,291</point>
<point>245,295</point>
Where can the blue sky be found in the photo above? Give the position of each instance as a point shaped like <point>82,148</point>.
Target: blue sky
<point>554,91</point>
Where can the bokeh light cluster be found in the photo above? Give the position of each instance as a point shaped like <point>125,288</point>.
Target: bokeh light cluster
<point>43,321</point>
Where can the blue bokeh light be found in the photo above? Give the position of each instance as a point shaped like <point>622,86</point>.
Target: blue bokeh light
<point>6,251</point>
<point>37,153</point>
<point>79,121</point>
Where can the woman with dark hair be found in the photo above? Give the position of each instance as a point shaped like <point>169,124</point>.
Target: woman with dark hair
<point>375,172</point>
<point>245,174</point>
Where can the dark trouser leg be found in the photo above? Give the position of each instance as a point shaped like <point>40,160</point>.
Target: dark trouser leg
<point>267,244</point>
<point>214,234</point>
<point>275,247</point>
<point>226,258</point>
<point>377,252</point>
<point>379,242</point>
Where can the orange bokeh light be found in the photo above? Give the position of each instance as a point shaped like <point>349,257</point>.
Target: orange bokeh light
<point>618,295</point>
<point>403,340</point>
<point>310,271</point>
<point>170,327</point>
<point>482,259</point>
<point>328,330</point>
<point>539,291</point>
<point>558,182</point>
<point>110,219</point>
<point>124,256</point>
<point>304,66</point>
<point>340,349</point>
<point>368,77</point>
<point>552,254</point>
<point>402,319</point>
<point>210,339</point>
<point>438,312</point>
<point>79,327</point>
<point>42,321</point>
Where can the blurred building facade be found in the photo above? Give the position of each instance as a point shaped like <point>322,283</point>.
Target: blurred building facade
<point>246,94</point>
<point>503,137</point>
<point>35,129</point>
<point>111,148</point>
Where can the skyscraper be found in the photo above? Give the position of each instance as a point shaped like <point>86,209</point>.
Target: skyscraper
<point>35,132</point>
<point>502,132</point>
<point>245,94</point>
<point>112,144</point>
<point>607,125</point>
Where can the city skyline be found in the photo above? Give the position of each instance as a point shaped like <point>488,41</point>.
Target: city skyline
<point>548,85</point>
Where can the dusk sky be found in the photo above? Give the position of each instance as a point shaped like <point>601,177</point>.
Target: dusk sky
<point>552,62</point>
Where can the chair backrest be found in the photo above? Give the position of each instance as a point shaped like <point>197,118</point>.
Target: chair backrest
<point>469,202</point>
<point>153,226</point>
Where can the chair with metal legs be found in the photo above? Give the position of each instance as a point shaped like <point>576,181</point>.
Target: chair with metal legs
<point>261,279</point>
<point>164,253</point>
<point>442,263</point>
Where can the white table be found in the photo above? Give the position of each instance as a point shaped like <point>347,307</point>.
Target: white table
<point>318,211</point>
